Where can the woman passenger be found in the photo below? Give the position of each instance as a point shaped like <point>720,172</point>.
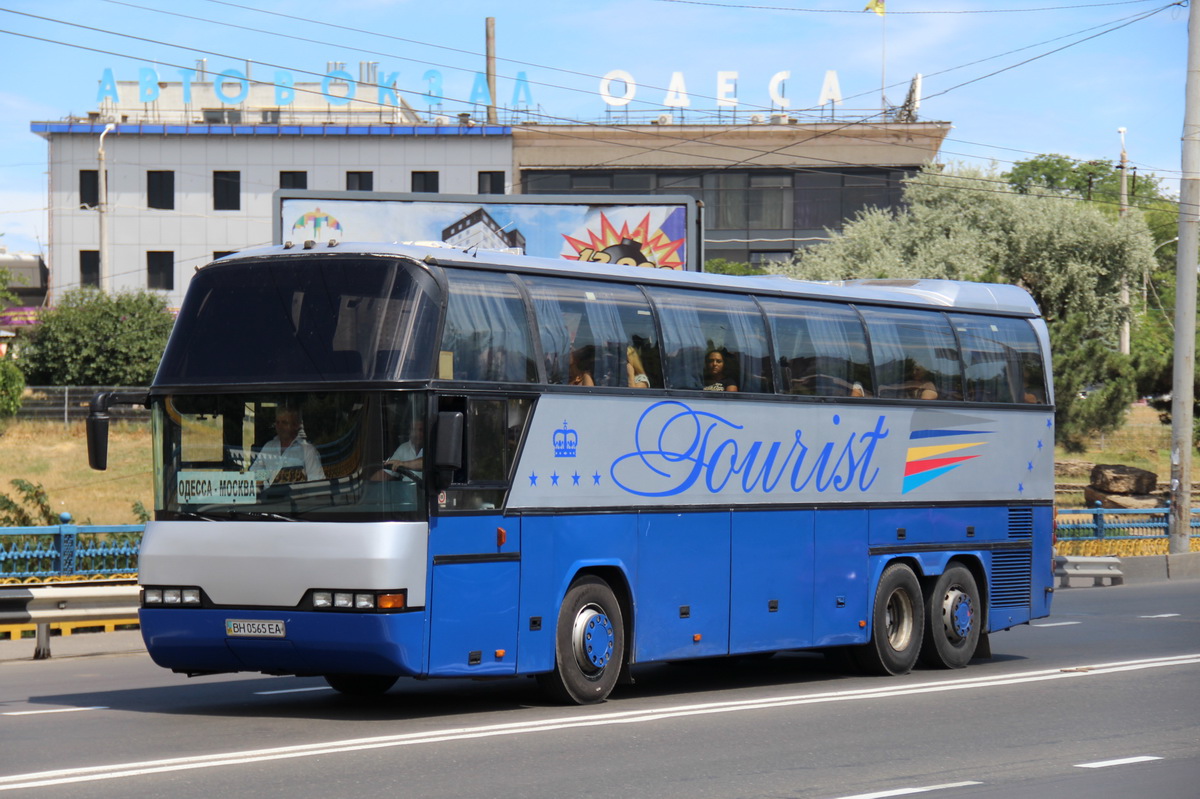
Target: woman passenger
<point>715,378</point>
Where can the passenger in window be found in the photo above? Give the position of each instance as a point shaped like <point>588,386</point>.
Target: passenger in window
<point>289,457</point>
<point>408,458</point>
<point>635,371</point>
<point>715,376</point>
<point>579,369</point>
<point>921,386</point>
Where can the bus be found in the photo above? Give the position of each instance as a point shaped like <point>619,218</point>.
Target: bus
<point>385,461</point>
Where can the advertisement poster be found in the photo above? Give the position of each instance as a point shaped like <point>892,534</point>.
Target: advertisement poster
<point>659,232</point>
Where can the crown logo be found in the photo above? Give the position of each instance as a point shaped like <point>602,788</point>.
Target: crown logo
<point>566,442</point>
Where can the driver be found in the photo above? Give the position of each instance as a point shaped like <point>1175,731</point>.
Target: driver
<point>409,456</point>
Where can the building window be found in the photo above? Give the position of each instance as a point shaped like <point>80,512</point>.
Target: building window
<point>222,253</point>
<point>425,182</point>
<point>89,188</point>
<point>89,268</point>
<point>293,180</point>
<point>491,182</point>
<point>360,181</point>
<point>218,116</point>
<point>160,188</point>
<point>227,191</point>
<point>770,201</point>
<point>160,270</point>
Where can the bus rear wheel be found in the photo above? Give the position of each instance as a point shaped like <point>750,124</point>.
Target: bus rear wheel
<point>897,624</point>
<point>589,644</point>
<point>952,619</point>
<point>360,684</point>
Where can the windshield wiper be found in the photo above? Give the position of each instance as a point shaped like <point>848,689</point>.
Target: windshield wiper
<point>261,514</point>
<point>187,514</point>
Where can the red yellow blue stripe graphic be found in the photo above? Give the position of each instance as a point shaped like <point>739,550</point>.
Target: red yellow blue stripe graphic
<point>930,461</point>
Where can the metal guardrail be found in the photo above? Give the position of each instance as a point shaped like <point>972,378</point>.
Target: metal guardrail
<point>67,602</point>
<point>1119,523</point>
<point>1098,569</point>
<point>69,551</point>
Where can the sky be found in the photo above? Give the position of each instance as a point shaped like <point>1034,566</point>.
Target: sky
<point>1015,78</point>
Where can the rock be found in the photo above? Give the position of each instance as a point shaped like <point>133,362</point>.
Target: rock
<point>1092,495</point>
<point>1114,479</point>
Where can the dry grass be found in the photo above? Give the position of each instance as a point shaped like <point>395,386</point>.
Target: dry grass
<point>55,455</point>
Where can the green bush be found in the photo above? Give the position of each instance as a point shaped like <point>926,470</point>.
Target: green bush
<point>12,386</point>
<point>95,339</point>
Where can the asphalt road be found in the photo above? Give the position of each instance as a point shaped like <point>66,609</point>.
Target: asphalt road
<point>1098,701</point>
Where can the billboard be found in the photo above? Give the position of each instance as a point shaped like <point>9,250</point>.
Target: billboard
<point>659,231</point>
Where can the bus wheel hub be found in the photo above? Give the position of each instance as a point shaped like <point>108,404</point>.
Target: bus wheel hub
<point>593,639</point>
<point>958,614</point>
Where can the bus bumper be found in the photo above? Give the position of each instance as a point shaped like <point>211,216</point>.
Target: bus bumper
<point>195,641</point>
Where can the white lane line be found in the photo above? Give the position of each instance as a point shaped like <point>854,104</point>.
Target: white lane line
<point>55,710</point>
<point>293,690</point>
<point>584,720</point>
<point>1160,616</point>
<point>1058,624</point>
<point>1124,761</point>
<point>907,791</point>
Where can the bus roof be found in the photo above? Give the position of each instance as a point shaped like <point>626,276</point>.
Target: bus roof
<point>955,294</point>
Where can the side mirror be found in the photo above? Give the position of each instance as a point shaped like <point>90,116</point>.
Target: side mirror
<point>97,439</point>
<point>448,454</point>
<point>97,422</point>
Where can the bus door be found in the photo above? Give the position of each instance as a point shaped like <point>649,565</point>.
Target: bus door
<point>475,550</point>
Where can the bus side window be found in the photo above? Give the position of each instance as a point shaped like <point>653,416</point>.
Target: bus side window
<point>822,348</point>
<point>586,330</point>
<point>493,431</point>
<point>1003,361</point>
<point>697,325</point>
<point>915,353</point>
<point>486,333</point>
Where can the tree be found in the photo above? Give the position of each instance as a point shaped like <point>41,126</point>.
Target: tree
<point>95,339</point>
<point>1068,254</point>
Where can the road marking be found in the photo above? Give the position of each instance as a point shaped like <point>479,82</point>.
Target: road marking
<point>1160,616</point>
<point>293,690</point>
<point>584,720</point>
<point>1058,624</point>
<point>1124,761</point>
<point>907,791</point>
<point>55,710</point>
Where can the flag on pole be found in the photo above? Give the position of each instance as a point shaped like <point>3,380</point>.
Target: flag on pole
<point>876,6</point>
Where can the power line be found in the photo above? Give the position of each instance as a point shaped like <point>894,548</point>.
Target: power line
<point>891,12</point>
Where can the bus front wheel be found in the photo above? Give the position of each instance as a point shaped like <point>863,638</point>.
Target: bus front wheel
<point>897,624</point>
<point>360,684</point>
<point>589,644</point>
<point>952,619</point>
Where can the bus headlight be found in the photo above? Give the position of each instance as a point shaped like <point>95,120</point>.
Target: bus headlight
<point>161,596</point>
<point>324,599</point>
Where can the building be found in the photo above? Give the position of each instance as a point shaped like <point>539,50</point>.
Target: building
<point>191,167</point>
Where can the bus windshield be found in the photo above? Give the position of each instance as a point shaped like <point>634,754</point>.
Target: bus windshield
<point>322,456</point>
<point>302,318</point>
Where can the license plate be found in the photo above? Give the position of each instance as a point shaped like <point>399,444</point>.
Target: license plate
<point>254,628</point>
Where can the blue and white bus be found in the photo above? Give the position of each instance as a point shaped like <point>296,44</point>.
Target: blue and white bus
<point>377,461</point>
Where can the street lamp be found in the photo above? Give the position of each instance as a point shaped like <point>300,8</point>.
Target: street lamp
<point>101,207</point>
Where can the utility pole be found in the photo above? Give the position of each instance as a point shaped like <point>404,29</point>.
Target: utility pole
<point>1123,298</point>
<point>101,211</point>
<point>1184,365</point>
<point>491,70</point>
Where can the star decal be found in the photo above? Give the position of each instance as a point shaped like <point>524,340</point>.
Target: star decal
<point>575,479</point>
<point>532,478</point>
<point>596,479</point>
<point>554,478</point>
